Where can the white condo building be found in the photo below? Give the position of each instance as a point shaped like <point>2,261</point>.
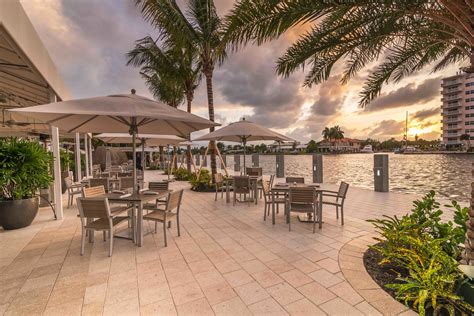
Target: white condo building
<point>458,109</point>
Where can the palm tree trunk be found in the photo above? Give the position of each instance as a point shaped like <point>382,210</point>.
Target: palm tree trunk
<point>162,157</point>
<point>210,103</point>
<point>189,99</point>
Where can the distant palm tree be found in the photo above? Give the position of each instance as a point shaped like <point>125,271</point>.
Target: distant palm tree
<point>467,138</point>
<point>406,35</point>
<point>179,66</point>
<point>327,133</point>
<point>199,27</point>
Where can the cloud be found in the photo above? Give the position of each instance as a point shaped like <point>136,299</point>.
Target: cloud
<point>426,113</point>
<point>409,94</point>
<point>248,78</point>
<point>386,129</point>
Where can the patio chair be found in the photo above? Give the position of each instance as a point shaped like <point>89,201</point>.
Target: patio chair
<point>96,216</point>
<point>158,187</point>
<point>72,190</point>
<point>94,182</point>
<point>302,200</point>
<point>126,183</point>
<point>260,185</point>
<point>340,197</point>
<point>105,174</point>
<point>164,215</point>
<point>243,186</point>
<point>295,180</point>
<point>267,195</point>
<point>219,182</point>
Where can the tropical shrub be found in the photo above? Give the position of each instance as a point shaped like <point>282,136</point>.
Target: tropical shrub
<point>428,250</point>
<point>201,182</point>
<point>181,174</point>
<point>25,168</point>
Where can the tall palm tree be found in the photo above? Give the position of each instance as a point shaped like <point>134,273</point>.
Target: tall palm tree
<point>199,27</point>
<point>327,133</point>
<point>406,35</point>
<point>180,65</point>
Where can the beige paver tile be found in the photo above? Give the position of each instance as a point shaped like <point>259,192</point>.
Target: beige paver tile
<point>242,256</point>
<point>329,264</point>
<point>296,278</point>
<point>338,306</point>
<point>165,307</point>
<point>251,293</point>
<point>238,277</point>
<point>303,307</point>
<point>253,266</point>
<point>325,278</point>
<point>305,265</point>
<point>313,255</point>
<point>316,293</point>
<point>368,309</point>
<point>92,309</point>
<point>69,308</point>
<point>186,293</point>
<point>127,307</point>
<point>267,307</point>
<point>345,291</point>
<point>219,293</point>
<point>279,266</point>
<point>228,265</point>
<point>234,306</point>
<point>95,294</point>
<point>284,293</point>
<point>201,266</point>
<point>198,307</point>
<point>209,278</point>
<point>180,278</point>
<point>267,278</point>
<point>154,293</point>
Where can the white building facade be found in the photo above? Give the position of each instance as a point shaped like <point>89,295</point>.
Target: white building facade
<point>458,110</point>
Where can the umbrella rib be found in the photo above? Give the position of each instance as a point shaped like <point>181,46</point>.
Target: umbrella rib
<point>120,119</point>
<point>59,118</point>
<point>82,124</point>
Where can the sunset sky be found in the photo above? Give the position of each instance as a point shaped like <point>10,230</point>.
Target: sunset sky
<point>88,40</point>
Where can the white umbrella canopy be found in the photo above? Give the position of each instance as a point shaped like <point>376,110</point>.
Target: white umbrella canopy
<point>150,139</point>
<point>116,114</point>
<point>242,132</point>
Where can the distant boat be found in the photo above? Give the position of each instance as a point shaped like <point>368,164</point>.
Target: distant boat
<point>367,149</point>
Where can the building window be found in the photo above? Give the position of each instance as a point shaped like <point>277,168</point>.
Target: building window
<point>470,107</point>
<point>470,115</point>
<point>470,123</point>
<point>470,92</point>
<point>469,99</point>
<point>469,84</point>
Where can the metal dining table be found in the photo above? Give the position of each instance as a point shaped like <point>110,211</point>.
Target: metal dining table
<point>284,188</point>
<point>254,180</point>
<point>138,200</point>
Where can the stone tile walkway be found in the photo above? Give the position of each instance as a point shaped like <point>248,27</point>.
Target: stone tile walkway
<point>228,261</point>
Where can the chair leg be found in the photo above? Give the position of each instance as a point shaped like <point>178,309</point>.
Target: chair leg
<point>215,198</point>
<point>177,224</point>
<point>83,240</point>
<point>169,224</point>
<point>314,220</point>
<point>164,232</point>
<point>156,227</point>
<point>104,233</point>
<point>342,215</point>
<point>288,220</point>
<point>265,212</point>
<point>337,212</point>
<point>111,245</point>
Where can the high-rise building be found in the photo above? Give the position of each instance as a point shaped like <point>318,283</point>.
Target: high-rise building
<point>458,110</point>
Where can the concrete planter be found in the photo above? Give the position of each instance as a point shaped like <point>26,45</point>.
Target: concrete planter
<point>16,214</point>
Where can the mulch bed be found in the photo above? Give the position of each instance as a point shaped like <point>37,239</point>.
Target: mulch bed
<point>382,274</point>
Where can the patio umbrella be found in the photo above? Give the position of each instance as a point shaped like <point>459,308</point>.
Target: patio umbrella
<point>149,139</point>
<point>117,114</point>
<point>242,132</point>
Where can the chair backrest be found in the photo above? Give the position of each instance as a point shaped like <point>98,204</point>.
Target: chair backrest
<point>242,182</point>
<point>294,179</point>
<point>219,178</point>
<point>124,174</point>
<point>126,183</point>
<point>343,188</point>
<point>94,182</point>
<point>253,171</point>
<point>174,201</point>
<point>93,191</point>
<point>105,174</point>
<point>302,195</point>
<point>272,178</point>
<point>158,186</point>
<point>68,182</point>
<point>266,187</point>
<point>94,207</point>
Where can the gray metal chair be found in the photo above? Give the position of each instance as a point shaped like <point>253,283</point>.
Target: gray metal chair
<point>164,215</point>
<point>295,180</point>
<point>303,200</point>
<point>96,215</point>
<point>243,186</point>
<point>219,183</point>
<point>95,182</point>
<point>340,197</point>
<point>267,195</point>
<point>126,183</point>
<point>72,190</point>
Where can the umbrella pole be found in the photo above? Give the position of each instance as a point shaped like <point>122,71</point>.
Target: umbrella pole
<point>143,156</point>
<point>133,129</point>
<point>244,157</point>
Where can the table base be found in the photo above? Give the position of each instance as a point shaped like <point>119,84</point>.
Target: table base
<point>127,233</point>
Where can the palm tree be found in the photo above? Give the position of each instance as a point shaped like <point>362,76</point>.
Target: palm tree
<point>466,138</point>
<point>199,27</point>
<point>327,133</point>
<point>406,35</point>
<point>180,66</point>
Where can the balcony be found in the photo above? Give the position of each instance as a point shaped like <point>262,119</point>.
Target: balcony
<point>452,120</point>
<point>445,113</point>
<point>449,83</point>
<point>451,97</point>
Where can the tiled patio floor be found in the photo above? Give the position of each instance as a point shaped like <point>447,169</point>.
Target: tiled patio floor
<point>228,261</point>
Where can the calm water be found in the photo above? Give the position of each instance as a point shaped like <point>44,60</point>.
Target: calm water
<point>448,175</point>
